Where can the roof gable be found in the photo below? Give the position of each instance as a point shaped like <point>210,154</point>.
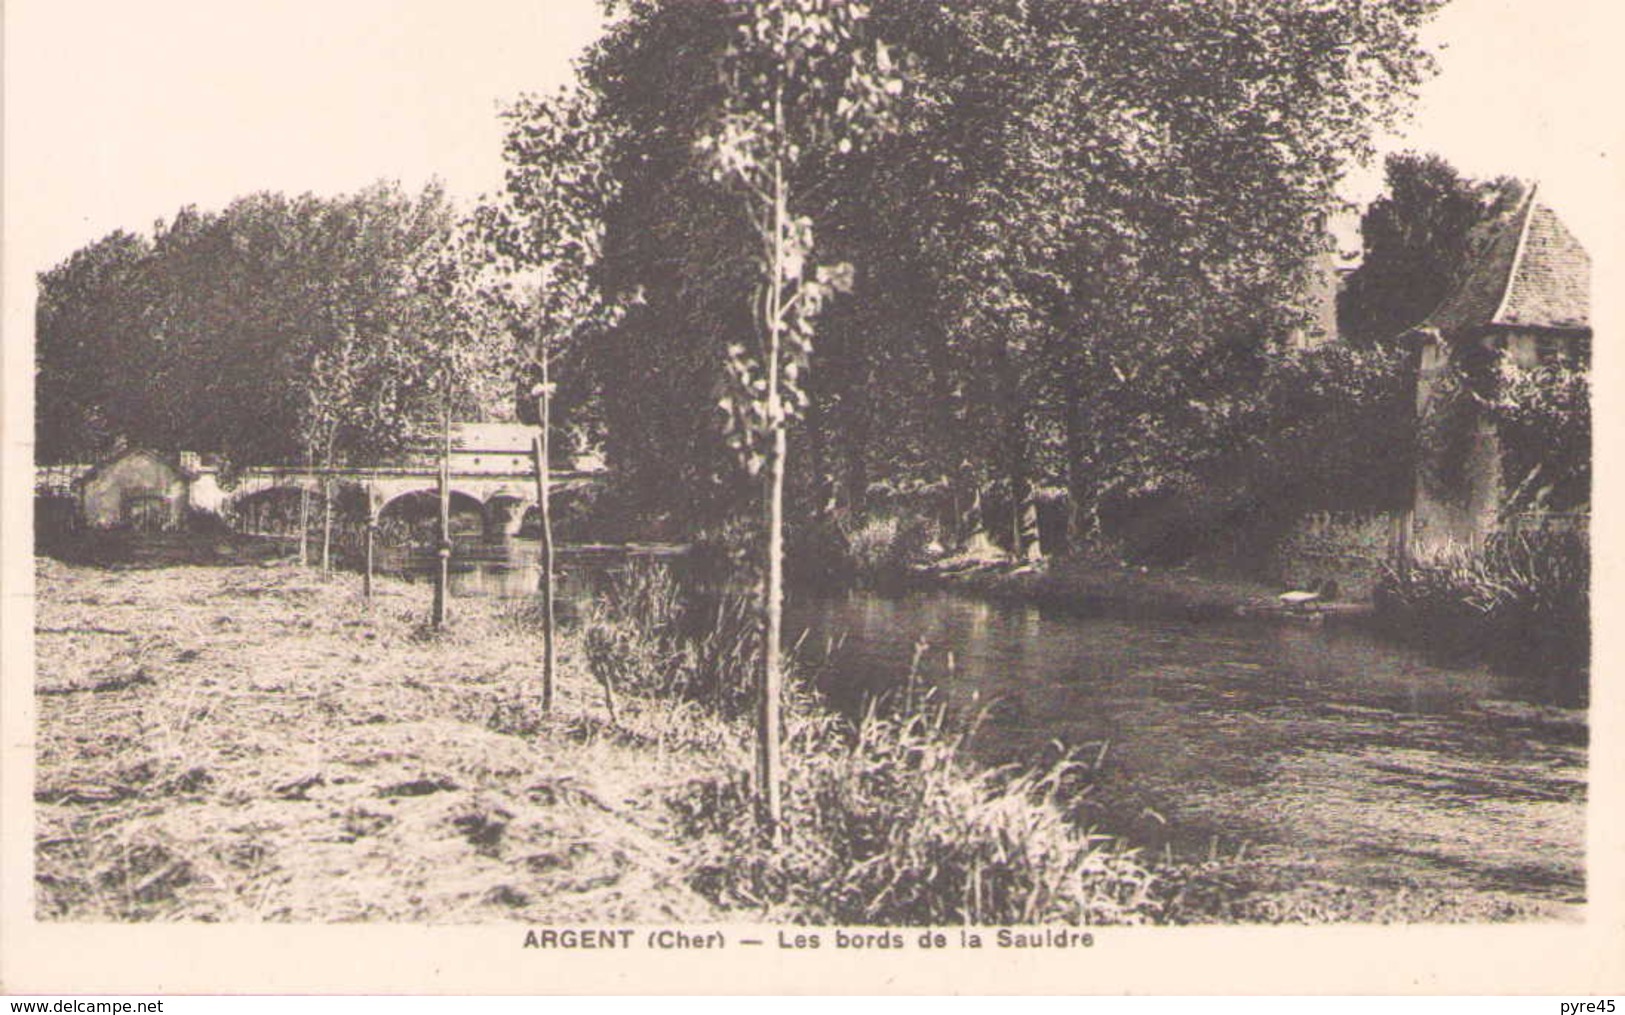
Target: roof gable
<point>1550,285</point>
<point>107,465</point>
<point>1524,270</point>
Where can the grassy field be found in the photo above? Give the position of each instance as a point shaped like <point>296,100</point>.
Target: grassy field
<point>255,743</point>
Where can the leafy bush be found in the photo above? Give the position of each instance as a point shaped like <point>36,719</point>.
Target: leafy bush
<point>1522,600</point>
<point>1544,418</point>
<point>879,543</point>
<point>886,824</point>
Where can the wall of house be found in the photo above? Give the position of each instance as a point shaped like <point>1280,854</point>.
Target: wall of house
<point>106,493</point>
<point>204,493</point>
<point>1448,519</point>
<point>1347,547</point>
<point>1463,513</point>
<point>1319,301</point>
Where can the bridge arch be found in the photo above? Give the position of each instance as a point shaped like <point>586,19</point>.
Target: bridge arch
<point>506,509</point>
<point>273,508</point>
<point>266,510</point>
<point>462,502</point>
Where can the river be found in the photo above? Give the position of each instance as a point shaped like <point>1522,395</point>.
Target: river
<point>1325,748</point>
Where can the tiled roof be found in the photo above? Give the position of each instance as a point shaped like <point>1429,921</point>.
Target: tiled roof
<point>1525,270</point>
<point>1551,285</point>
<point>167,461</point>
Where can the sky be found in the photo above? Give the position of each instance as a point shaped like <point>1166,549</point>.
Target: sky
<point>1523,89</point>
<point>119,113</point>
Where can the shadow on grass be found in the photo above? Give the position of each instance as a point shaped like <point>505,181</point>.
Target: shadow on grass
<point>129,550</point>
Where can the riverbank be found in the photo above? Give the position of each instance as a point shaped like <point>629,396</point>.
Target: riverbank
<point>1096,587</point>
<point>247,741</point>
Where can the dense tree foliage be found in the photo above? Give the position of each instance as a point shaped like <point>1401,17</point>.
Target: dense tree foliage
<point>540,241</point>
<point>1415,239</point>
<point>1077,258</point>
<point>278,330</point>
<point>1543,417</point>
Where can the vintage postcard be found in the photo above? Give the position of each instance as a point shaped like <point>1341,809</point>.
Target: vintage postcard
<point>1002,496</point>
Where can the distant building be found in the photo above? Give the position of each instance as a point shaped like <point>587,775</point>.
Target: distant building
<point>138,488</point>
<point>492,447</point>
<point>1319,303</point>
<point>1525,294</point>
<point>495,449</point>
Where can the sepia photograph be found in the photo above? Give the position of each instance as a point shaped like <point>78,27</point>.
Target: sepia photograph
<point>662,477</point>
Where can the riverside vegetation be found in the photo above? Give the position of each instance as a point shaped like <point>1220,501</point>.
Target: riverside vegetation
<point>1522,602</point>
<point>246,741</point>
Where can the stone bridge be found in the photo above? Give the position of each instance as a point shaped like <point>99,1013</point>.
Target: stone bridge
<point>492,469</point>
<point>501,497</point>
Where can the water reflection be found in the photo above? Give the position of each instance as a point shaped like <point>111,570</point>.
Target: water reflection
<point>1314,741</point>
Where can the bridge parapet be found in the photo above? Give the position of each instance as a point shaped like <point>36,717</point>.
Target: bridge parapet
<point>387,484</point>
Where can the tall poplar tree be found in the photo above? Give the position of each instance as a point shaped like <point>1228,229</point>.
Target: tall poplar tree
<point>799,84</point>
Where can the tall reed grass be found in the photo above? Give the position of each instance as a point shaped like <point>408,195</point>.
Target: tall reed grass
<point>646,635</point>
<point>1522,600</point>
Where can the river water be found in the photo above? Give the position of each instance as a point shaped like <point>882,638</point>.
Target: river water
<point>1324,748</point>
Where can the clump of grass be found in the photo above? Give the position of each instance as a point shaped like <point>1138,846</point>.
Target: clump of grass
<point>888,824</point>
<point>629,633</point>
<point>643,636</point>
<point>1522,600</point>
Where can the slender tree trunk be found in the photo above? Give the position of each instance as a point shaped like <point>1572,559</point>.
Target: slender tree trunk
<point>304,508</point>
<point>950,445</point>
<point>372,535</point>
<point>443,551</point>
<point>769,762</point>
<point>770,748</point>
<point>1024,544</point>
<point>858,415</point>
<point>1078,440</point>
<point>974,524</point>
<point>327,523</point>
<point>542,447</point>
<point>823,450</point>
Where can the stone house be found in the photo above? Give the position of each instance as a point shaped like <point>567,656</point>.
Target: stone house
<point>1524,295</point>
<point>491,448</point>
<point>143,489</point>
<point>138,488</point>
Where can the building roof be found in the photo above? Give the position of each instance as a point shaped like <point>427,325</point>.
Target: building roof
<point>95,471</point>
<point>498,438</point>
<point>1524,270</point>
